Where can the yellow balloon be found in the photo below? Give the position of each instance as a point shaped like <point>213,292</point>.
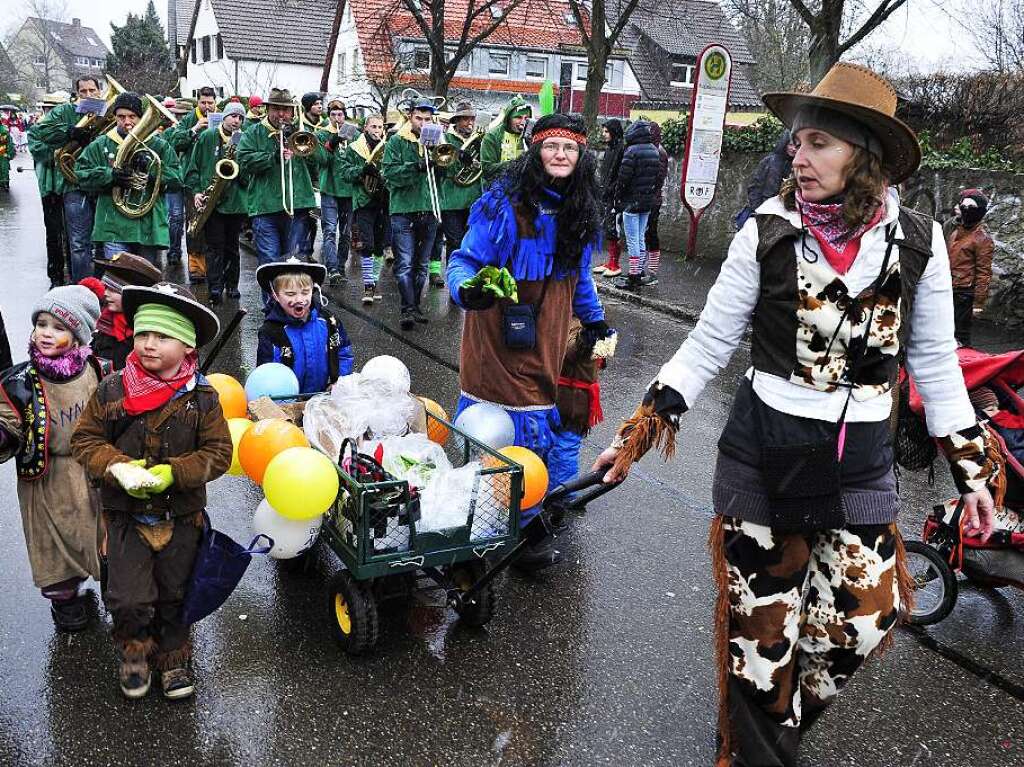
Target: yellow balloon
<point>300,483</point>
<point>237,427</point>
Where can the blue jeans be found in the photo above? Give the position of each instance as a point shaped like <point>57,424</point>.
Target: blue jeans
<point>79,211</point>
<point>412,239</point>
<point>336,224</point>
<point>276,236</point>
<point>175,222</point>
<point>148,252</point>
<point>635,226</point>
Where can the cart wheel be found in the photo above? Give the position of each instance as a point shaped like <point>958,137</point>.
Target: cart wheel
<point>935,587</point>
<point>352,611</point>
<point>480,611</point>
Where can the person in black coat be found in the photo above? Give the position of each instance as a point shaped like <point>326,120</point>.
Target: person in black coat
<point>764,184</point>
<point>612,134</point>
<point>636,195</point>
<point>650,274</point>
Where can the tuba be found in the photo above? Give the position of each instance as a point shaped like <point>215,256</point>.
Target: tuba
<point>469,174</point>
<point>146,166</point>
<point>64,158</point>
<point>224,172</point>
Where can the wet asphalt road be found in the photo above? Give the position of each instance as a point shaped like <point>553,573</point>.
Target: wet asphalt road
<point>604,661</point>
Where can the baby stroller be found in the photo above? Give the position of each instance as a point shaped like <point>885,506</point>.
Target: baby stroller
<point>944,548</point>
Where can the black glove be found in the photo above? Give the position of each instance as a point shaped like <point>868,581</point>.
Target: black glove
<point>371,171</point>
<point>80,135</point>
<point>667,402</point>
<point>331,143</point>
<point>475,298</point>
<point>594,332</point>
<point>122,177</point>
<point>421,166</point>
<point>465,158</point>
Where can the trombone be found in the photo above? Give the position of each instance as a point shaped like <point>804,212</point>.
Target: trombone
<point>432,144</point>
<point>299,142</point>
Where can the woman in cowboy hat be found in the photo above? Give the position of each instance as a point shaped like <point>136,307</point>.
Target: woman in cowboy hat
<point>838,282</point>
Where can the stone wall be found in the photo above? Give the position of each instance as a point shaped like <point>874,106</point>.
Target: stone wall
<point>930,191</point>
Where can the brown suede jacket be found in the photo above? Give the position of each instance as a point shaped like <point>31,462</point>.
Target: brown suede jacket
<point>189,433</point>
<point>970,259</point>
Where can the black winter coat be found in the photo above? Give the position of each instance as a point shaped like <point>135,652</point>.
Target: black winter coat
<point>636,188</point>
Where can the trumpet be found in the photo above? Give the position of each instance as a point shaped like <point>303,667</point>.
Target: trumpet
<point>145,163</point>
<point>443,155</point>
<point>301,143</point>
<point>470,173</point>
<point>64,158</point>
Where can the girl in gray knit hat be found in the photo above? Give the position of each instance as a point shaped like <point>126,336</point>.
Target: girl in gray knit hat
<point>42,400</point>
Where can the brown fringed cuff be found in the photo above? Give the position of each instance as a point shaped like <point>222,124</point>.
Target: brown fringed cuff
<point>969,458</point>
<point>639,433</point>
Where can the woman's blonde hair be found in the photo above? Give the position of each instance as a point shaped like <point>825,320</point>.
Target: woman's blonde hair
<point>865,187</point>
<point>292,279</point>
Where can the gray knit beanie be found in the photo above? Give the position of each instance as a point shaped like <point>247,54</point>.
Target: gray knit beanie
<point>74,305</point>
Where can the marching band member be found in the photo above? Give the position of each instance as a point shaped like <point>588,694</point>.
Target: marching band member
<point>335,193</point>
<point>370,218</point>
<point>505,139</point>
<point>456,200</point>
<point>256,112</point>
<point>413,225</point>
<point>268,200</point>
<point>183,136</point>
<point>67,211</point>
<point>313,112</point>
<point>145,235</point>
<point>224,225</point>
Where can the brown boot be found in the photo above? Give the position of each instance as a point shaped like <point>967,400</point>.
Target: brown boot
<point>135,675</point>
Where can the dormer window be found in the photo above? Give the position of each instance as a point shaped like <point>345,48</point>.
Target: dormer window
<point>496,11</point>
<point>683,74</point>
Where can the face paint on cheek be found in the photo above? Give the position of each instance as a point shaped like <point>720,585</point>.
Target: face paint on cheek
<point>63,343</point>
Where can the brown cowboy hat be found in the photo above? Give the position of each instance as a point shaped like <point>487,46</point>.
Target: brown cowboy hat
<point>866,97</point>
<point>177,297</point>
<point>281,97</point>
<point>130,269</point>
<point>463,109</point>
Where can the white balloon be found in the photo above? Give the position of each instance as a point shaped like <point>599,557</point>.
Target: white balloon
<point>487,423</point>
<point>389,370</point>
<point>291,537</point>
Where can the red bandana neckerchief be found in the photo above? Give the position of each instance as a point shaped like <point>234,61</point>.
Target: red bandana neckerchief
<point>113,324</point>
<point>839,244</point>
<point>143,391</point>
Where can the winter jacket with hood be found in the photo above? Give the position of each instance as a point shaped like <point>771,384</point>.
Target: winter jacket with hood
<point>970,259</point>
<point>767,178</point>
<point>662,156</point>
<point>636,186</point>
<point>317,349</point>
<point>611,159</point>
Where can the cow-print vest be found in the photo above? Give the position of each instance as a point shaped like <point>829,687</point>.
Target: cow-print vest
<point>808,302</point>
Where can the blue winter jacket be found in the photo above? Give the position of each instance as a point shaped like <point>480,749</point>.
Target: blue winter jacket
<point>317,350</point>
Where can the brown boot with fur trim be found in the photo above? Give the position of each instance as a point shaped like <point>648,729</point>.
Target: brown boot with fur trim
<point>135,675</point>
<point>175,676</point>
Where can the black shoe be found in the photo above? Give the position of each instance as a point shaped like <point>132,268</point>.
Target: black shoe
<point>233,293</point>
<point>647,279</point>
<point>368,291</point>
<point>407,321</point>
<point>134,682</point>
<point>215,297</point>
<point>69,615</point>
<point>177,683</point>
<point>436,281</point>
<point>196,280</point>
<point>336,278</point>
<point>419,316</point>
<point>169,259</point>
<point>539,556</point>
<point>628,282</point>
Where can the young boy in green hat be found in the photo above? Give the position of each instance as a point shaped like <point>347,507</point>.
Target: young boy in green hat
<point>154,435</point>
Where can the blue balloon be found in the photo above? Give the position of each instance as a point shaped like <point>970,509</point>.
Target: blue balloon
<point>271,379</point>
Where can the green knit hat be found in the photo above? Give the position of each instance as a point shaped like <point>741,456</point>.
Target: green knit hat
<point>160,318</point>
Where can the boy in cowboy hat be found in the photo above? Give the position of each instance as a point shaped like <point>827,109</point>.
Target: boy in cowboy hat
<point>153,435</point>
<point>113,338</point>
<point>278,214</point>
<point>299,331</point>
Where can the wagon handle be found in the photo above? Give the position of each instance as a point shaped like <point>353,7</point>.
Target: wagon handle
<point>594,478</point>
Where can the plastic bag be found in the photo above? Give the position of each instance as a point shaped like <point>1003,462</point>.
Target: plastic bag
<point>413,458</point>
<point>329,421</point>
<point>448,498</point>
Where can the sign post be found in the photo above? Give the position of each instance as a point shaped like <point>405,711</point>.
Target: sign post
<point>704,135</point>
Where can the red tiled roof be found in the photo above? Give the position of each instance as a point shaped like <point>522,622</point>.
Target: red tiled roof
<point>532,24</point>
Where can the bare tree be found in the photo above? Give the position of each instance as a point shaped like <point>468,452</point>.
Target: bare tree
<point>35,52</point>
<point>777,37</point>
<point>600,23</point>
<point>999,29</point>
<point>451,38</point>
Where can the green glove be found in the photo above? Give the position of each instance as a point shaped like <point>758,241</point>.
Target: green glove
<point>162,471</point>
<point>142,495</point>
<point>497,281</point>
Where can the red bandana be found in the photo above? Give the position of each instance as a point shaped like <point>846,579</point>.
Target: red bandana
<point>144,392</point>
<point>579,138</point>
<point>839,244</point>
<point>594,389</point>
<point>113,324</point>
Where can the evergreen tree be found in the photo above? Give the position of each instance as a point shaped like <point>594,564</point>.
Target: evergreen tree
<point>141,60</point>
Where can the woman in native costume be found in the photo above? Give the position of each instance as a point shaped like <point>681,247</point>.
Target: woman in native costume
<point>529,246</point>
<point>840,284</point>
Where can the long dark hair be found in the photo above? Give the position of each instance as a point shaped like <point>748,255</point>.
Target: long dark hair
<point>578,217</point>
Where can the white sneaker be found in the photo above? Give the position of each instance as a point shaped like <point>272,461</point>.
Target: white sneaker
<point>600,269</point>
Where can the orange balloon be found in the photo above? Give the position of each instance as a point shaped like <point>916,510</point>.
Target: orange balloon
<point>436,431</point>
<point>535,474</point>
<point>263,441</point>
<point>231,393</point>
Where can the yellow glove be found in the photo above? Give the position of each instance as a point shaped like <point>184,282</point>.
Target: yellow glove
<point>165,478</point>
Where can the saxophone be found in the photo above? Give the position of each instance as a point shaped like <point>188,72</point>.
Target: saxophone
<point>224,172</point>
